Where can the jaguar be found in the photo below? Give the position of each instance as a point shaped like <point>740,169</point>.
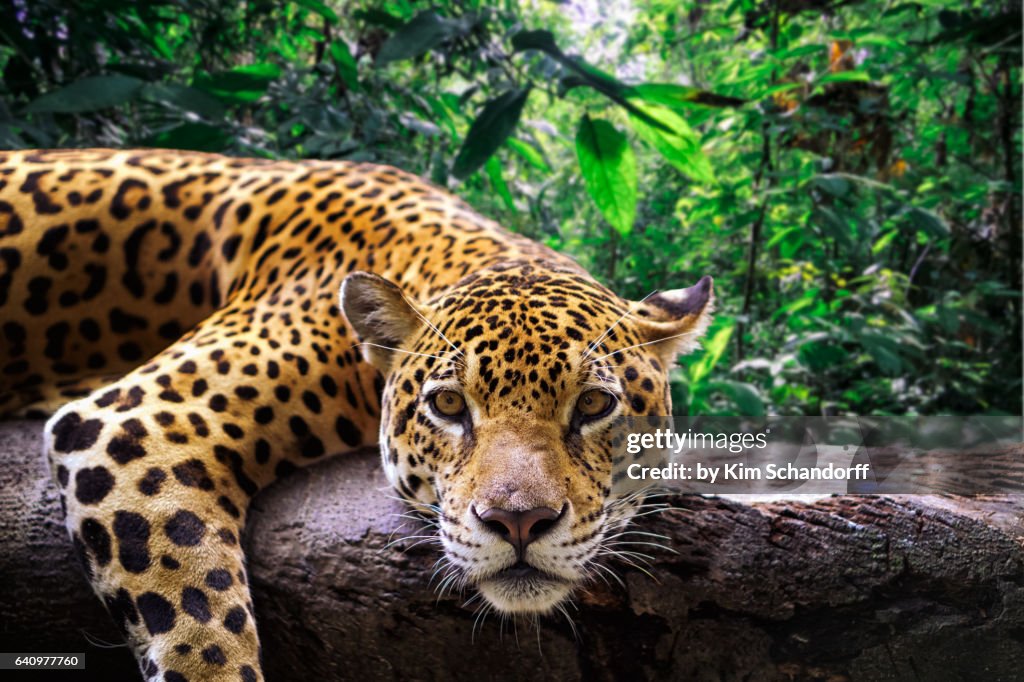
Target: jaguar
<point>197,326</point>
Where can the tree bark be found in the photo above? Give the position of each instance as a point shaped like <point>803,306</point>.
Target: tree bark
<point>844,588</point>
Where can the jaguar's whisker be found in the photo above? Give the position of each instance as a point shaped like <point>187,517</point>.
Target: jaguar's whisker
<point>481,618</point>
<point>610,572</point>
<point>629,310</point>
<point>398,350</point>
<point>434,329</point>
<point>568,619</point>
<point>640,345</point>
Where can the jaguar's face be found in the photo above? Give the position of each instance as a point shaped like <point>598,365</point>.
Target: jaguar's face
<point>497,407</point>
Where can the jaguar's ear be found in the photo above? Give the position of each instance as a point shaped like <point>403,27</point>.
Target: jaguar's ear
<point>673,321</point>
<point>381,315</point>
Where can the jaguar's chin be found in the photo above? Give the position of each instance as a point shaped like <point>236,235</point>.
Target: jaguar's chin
<point>521,588</point>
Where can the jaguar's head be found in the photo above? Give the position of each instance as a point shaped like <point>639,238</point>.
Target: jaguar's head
<point>498,401</point>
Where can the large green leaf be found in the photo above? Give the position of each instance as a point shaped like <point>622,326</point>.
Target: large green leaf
<point>87,94</point>
<point>241,84</point>
<point>346,64</point>
<point>423,33</point>
<point>492,126</point>
<point>609,171</point>
<point>184,98</point>
<point>674,139</point>
<point>929,222</point>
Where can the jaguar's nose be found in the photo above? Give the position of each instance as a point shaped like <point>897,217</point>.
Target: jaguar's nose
<point>520,528</point>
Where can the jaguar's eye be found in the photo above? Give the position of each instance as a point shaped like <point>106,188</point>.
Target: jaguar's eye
<point>448,403</point>
<point>595,403</point>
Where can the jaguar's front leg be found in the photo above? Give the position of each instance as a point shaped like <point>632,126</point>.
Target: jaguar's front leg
<point>156,472</point>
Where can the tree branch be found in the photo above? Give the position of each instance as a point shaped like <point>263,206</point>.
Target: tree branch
<point>842,588</point>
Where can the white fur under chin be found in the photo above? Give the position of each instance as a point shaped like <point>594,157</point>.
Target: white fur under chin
<point>532,596</point>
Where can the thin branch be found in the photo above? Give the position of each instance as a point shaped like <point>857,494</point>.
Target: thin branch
<point>761,180</point>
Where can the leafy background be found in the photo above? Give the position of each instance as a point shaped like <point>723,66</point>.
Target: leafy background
<point>849,172</point>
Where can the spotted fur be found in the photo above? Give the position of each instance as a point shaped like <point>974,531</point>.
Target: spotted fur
<point>178,315</point>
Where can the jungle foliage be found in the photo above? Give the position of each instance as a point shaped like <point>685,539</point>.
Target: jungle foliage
<point>849,172</point>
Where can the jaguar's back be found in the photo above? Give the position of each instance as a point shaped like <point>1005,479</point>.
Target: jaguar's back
<point>107,257</point>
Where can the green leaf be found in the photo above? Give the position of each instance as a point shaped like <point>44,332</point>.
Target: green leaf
<point>820,356</point>
<point>788,240</point>
<point>745,396</point>
<point>680,96</point>
<point>493,169</point>
<point>535,40</point>
<point>492,126</point>
<point>833,225</point>
<point>675,140</point>
<point>609,171</point>
<point>9,138</point>
<point>879,40</point>
<point>836,185</point>
<point>241,84</point>
<point>783,235</point>
<point>884,356</point>
<point>319,8</point>
<point>199,137</point>
<point>442,114</point>
<point>346,63</point>
<point>423,33</point>
<point>883,241</point>
<point>928,222</point>
<point>808,299</point>
<point>529,154</point>
<point>87,94</point>
<point>714,349</point>
<point>844,77</point>
<point>184,98</point>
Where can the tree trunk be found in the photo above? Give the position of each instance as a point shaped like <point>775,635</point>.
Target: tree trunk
<point>844,588</point>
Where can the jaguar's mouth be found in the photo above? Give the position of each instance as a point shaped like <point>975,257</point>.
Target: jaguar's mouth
<point>523,588</point>
<point>521,571</point>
